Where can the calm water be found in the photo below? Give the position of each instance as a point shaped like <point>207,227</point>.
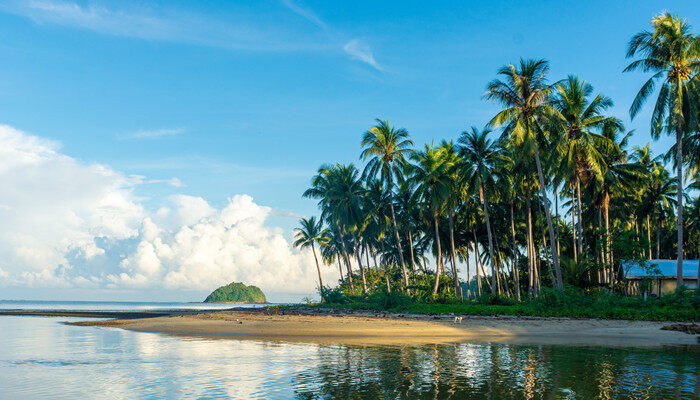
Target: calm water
<point>113,305</point>
<point>41,358</point>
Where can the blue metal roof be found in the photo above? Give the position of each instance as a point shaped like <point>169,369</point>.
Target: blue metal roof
<point>667,267</point>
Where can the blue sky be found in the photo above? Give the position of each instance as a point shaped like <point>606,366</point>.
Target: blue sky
<point>213,99</point>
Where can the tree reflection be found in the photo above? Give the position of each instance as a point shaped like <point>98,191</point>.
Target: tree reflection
<point>499,372</point>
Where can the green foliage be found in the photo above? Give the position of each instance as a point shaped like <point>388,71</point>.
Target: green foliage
<point>682,305</point>
<point>236,292</point>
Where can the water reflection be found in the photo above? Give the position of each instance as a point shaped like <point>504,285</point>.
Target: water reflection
<point>502,372</point>
<point>43,359</point>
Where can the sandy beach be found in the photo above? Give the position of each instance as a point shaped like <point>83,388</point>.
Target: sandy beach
<point>333,326</point>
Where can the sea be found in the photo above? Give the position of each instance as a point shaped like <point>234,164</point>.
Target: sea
<point>43,358</point>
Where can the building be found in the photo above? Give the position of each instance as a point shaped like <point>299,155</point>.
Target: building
<point>665,281</point>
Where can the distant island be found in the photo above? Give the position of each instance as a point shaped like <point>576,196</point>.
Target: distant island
<point>236,292</point>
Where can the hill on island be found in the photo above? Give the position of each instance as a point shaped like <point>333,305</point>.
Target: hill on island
<point>236,292</point>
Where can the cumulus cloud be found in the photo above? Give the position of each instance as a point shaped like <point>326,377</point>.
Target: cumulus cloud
<point>70,224</point>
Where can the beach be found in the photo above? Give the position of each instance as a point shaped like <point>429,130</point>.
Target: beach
<point>307,324</point>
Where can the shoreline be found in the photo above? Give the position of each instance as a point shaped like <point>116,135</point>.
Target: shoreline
<point>306,324</point>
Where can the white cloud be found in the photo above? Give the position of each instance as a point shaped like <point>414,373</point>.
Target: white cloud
<point>305,13</point>
<point>360,51</point>
<point>236,31</point>
<point>69,224</point>
<point>153,133</point>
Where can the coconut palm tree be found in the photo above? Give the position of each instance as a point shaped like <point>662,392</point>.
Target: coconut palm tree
<point>578,144</point>
<point>524,92</point>
<point>430,174</point>
<point>478,169</point>
<point>453,200</point>
<point>672,53</point>
<point>321,184</point>
<point>386,149</point>
<point>618,176</point>
<point>310,232</point>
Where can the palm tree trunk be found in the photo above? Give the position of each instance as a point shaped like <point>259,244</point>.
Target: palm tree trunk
<point>318,268</point>
<point>346,257</point>
<point>410,244</point>
<point>469,281</point>
<point>359,263</point>
<point>438,257</point>
<point>495,287</point>
<point>649,236</point>
<point>478,262</point>
<point>573,221</point>
<point>544,241</point>
<point>580,215</point>
<point>556,217</point>
<point>658,237</point>
<point>516,277</point>
<point>557,269</point>
<point>398,239</point>
<point>530,247</point>
<point>386,266</point>
<point>606,204</point>
<point>679,205</point>
<point>458,289</point>
<point>601,250</point>
<point>340,268</point>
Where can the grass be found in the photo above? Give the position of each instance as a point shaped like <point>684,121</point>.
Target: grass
<point>683,305</point>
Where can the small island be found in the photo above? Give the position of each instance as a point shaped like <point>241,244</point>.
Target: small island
<point>236,292</point>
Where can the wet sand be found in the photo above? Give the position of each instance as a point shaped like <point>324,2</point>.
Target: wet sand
<point>354,327</point>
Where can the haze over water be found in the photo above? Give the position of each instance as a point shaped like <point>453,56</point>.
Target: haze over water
<point>42,358</point>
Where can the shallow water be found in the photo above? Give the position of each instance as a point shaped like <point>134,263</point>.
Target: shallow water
<point>41,358</point>
<point>39,305</point>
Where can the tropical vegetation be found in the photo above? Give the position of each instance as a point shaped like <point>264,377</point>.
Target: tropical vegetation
<point>547,198</point>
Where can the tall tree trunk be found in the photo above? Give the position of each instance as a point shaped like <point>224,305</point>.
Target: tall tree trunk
<point>552,244</point>
<point>438,257</point>
<point>346,257</point>
<point>679,206</point>
<point>556,210</point>
<point>649,236</point>
<point>658,237</point>
<point>458,289</point>
<point>340,268</point>
<point>609,256</point>
<point>574,213</point>
<point>410,245</point>
<point>318,267</point>
<point>359,263</point>
<point>386,267</point>
<point>398,240</point>
<point>469,281</point>
<point>544,242</point>
<point>580,215</point>
<point>601,247</point>
<point>516,277</point>
<point>477,260</point>
<point>530,247</point>
<point>495,289</point>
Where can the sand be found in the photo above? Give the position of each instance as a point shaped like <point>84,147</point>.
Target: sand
<point>369,328</point>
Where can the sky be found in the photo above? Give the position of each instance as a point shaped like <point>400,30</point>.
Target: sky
<point>156,150</point>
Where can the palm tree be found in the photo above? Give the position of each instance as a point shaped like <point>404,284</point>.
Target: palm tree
<point>672,52</point>
<point>310,232</point>
<point>431,177</point>
<point>345,195</point>
<point>578,146</point>
<point>524,93</point>
<point>387,148</point>
<point>479,155</point>
<point>453,199</point>
<point>321,184</point>
<point>619,175</point>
